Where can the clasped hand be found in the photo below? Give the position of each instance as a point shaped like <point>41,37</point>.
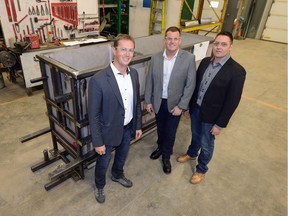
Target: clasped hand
<point>176,111</point>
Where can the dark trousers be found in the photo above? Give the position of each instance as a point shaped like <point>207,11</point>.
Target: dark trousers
<point>167,125</point>
<point>121,153</point>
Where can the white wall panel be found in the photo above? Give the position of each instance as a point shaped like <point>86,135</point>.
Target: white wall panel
<point>277,22</point>
<point>276,35</point>
<point>138,19</point>
<point>278,8</point>
<point>276,25</point>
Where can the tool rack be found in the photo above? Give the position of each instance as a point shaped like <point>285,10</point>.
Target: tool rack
<point>65,75</point>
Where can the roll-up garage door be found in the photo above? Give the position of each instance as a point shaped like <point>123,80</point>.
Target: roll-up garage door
<point>276,25</point>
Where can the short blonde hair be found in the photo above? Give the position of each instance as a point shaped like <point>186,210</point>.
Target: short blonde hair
<point>123,37</point>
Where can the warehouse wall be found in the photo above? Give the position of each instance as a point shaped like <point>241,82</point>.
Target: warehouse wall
<point>89,6</point>
<point>139,17</point>
<point>276,26</point>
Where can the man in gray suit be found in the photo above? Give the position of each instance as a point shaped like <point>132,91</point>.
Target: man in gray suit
<point>169,86</point>
<point>114,113</point>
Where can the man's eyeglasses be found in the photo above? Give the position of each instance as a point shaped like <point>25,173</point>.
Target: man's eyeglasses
<point>125,50</point>
<point>223,44</point>
<point>172,39</point>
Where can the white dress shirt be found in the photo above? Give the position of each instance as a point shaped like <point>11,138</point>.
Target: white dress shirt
<point>126,90</point>
<point>168,65</point>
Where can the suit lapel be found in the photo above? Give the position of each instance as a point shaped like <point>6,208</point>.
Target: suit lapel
<point>161,62</point>
<point>223,69</point>
<point>114,86</point>
<point>221,73</point>
<point>134,81</point>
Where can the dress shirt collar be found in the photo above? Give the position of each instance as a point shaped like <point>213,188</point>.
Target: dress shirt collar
<point>165,55</point>
<point>116,71</point>
<point>222,61</point>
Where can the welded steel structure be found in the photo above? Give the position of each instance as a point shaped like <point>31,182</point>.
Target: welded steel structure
<point>65,76</point>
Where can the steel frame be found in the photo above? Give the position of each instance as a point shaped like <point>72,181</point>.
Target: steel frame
<point>217,24</point>
<point>72,154</point>
<point>64,87</point>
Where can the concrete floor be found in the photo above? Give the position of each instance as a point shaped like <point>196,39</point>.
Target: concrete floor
<point>247,176</point>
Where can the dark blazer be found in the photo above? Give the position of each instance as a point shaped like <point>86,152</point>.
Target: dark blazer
<point>224,93</point>
<point>106,110</point>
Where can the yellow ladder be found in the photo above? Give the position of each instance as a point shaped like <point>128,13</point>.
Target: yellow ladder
<point>157,17</point>
<point>194,22</point>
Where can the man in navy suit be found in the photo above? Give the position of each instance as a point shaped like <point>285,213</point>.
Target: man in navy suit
<point>114,110</point>
<point>169,87</point>
<point>219,86</point>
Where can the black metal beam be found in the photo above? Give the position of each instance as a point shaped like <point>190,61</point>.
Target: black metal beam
<point>34,135</point>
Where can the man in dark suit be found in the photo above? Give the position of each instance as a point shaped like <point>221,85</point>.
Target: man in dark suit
<point>169,86</point>
<point>219,86</point>
<point>114,113</point>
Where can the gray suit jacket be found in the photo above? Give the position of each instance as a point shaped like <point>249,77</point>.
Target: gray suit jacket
<point>106,110</point>
<point>181,85</point>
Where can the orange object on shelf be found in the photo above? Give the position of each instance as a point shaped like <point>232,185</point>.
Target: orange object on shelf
<point>33,39</point>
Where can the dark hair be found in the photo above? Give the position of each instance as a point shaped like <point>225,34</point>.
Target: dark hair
<point>123,37</point>
<point>225,33</point>
<point>173,29</point>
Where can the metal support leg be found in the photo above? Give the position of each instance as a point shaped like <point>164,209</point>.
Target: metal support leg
<point>34,135</point>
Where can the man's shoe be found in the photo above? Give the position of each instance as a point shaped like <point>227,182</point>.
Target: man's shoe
<point>166,166</point>
<point>197,178</point>
<point>184,158</point>
<point>123,181</point>
<point>99,195</point>
<point>156,154</point>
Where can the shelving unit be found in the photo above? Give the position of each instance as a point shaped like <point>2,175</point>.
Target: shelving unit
<point>114,17</point>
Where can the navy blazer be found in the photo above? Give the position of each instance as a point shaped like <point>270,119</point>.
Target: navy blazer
<point>223,94</point>
<point>106,110</point>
